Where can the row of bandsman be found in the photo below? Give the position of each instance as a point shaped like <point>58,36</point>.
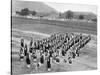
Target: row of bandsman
<point>50,49</point>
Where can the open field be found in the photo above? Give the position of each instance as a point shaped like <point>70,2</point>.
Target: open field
<point>39,29</point>
<point>67,26</point>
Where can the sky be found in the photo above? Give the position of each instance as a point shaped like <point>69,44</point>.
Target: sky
<point>62,7</point>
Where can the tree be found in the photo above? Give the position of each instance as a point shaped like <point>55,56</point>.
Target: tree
<point>81,17</point>
<point>69,14</point>
<point>25,12</point>
<point>60,14</point>
<point>17,12</point>
<point>33,13</point>
<point>94,20</point>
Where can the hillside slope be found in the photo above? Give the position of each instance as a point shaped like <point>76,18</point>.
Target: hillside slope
<point>37,6</point>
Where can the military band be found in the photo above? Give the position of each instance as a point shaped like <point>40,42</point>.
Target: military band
<point>52,48</point>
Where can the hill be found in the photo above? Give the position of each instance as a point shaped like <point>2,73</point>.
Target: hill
<point>31,5</point>
<point>46,10</point>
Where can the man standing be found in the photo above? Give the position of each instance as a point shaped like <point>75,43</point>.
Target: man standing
<point>22,49</point>
<point>28,62</point>
<point>48,64</point>
<point>25,50</point>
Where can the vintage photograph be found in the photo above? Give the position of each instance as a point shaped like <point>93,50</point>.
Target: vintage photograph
<point>52,37</point>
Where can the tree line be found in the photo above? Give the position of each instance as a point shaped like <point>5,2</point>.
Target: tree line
<point>25,12</point>
<point>68,14</point>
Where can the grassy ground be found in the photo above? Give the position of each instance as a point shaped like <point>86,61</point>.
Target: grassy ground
<point>26,28</point>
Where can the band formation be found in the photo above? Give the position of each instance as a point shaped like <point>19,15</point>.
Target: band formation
<point>49,50</point>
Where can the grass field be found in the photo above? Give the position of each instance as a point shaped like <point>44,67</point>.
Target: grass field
<point>39,29</point>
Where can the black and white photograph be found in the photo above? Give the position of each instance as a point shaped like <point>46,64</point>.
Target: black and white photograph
<point>51,37</point>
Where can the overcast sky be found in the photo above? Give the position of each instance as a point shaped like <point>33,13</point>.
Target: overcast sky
<point>61,7</point>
